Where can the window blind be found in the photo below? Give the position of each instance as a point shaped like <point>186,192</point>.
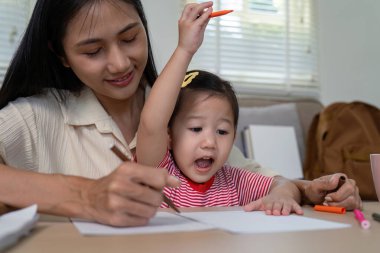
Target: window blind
<point>14,15</point>
<point>263,47</point>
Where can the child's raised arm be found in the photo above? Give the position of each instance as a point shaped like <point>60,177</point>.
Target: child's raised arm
<point>152,135</point>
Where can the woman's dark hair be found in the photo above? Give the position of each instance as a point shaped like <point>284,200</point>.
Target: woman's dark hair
<point>211,84</point>
<point>36,66</point>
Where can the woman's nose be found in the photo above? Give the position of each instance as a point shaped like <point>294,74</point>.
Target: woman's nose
<point>118,62</point>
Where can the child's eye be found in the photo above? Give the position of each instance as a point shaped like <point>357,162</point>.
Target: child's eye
<point>196,129</point>
<point>222,132</point>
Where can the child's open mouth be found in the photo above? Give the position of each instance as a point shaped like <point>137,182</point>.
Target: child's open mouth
<point>204,164</point>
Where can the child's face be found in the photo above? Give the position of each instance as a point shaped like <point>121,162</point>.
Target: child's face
<point>202,135</point>
<point>106,46</point>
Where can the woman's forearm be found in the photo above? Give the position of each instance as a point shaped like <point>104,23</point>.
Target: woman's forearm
<point>53,193</point>
<point>109,200</point>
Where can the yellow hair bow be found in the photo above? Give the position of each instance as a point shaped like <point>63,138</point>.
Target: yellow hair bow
<point>188,78</point>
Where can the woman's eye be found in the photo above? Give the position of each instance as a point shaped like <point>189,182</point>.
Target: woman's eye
<point>196,129</point>
<point>93,53</point>
<point>129,40</point>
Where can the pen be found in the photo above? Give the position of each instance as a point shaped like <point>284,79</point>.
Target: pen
<point>360,217</point>
<point>330,209</point>
<point>376,216</point>
<point>342,180</point>
<point>219,13</point>
<point>124,158</point>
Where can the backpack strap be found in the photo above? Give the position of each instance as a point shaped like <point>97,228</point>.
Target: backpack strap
<point>325,119</point>
<point>314,145</point>
<point>311,149</point>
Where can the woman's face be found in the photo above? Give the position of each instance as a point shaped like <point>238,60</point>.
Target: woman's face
<point>106,46</point>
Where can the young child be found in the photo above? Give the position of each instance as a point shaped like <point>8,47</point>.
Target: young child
<point>192,137</point>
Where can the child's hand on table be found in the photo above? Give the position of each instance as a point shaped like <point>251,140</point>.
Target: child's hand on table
<point>283,199</point>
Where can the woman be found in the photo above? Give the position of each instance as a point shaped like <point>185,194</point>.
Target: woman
<point>75,87</point>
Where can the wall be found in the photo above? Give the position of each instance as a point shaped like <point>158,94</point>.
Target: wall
<point>163,29</point>
<point>349,45</point>
<point>349,50</point>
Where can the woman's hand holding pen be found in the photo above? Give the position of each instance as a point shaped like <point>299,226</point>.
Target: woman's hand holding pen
<point>122,198</point>
<point>325,190</point>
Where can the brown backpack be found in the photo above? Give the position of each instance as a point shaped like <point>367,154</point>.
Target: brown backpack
<point>340,139</point>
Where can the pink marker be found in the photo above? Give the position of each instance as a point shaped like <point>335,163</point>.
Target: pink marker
<point>360,217</point>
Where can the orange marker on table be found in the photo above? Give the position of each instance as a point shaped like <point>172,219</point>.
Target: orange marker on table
<point>219,13</point>
<point>330,209</point>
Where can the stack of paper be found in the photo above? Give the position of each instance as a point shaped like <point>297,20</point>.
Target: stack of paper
<point>17,224</point>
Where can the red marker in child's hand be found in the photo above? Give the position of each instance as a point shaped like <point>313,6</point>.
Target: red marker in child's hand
<point>219,13</point>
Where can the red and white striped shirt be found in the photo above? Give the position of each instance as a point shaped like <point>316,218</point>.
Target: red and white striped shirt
<point>229,187</point>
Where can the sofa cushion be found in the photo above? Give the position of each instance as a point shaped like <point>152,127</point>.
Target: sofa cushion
<point>283,114</point>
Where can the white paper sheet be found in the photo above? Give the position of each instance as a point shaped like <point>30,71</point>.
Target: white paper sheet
<point>163,222</point>
<point>231,221</point>
<point>16,224</point>
<point>259,222</point>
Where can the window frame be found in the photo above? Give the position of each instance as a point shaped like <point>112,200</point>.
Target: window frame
<point>12,29</point>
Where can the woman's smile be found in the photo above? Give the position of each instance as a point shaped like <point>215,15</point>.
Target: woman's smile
<point>122,81</point>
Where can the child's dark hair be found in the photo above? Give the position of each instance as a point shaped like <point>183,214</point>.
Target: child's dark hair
<point>213,85</point>
<point>36,66</point>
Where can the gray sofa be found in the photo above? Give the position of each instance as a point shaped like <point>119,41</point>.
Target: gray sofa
<point>274,111</point>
